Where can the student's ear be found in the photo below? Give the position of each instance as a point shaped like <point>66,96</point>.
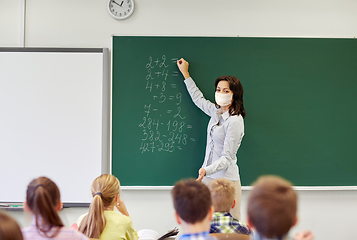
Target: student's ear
<point>177,217</point>
<point>249,223</point>
<point>210,213</point>
<point>59,206</point>
<point>117,197</point>
<point>234,203</point>
<point>26,207</point>
<point>295,221</point>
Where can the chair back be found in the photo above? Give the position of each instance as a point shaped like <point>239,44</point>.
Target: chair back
<point>230,236</point>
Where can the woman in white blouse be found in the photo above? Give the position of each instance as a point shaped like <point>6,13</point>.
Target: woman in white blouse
<point>225,129</point>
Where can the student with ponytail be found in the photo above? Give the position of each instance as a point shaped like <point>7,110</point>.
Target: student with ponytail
<point>101,221</point>
<point>43,200</point>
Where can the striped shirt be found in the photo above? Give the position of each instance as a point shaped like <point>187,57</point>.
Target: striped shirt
<point>65,233</point>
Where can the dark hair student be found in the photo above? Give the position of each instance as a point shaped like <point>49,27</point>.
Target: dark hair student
<point>43,200</point>
<point>192,200</point>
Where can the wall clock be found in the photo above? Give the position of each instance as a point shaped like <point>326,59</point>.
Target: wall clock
<point>120,9</point>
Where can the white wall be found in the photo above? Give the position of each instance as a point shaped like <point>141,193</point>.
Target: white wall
<point>86,23</point>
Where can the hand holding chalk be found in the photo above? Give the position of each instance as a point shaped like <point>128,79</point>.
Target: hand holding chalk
<point>182,64</point>
<point>201,174</point>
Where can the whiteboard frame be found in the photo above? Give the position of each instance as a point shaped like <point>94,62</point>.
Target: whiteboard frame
<point>106,100</point>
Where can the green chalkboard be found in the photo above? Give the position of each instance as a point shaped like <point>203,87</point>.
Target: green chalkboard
<point>299,94</point>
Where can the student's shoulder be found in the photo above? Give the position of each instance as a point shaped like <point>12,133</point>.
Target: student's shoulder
<point>226,223</point>
<point>79,235</point>
<point>64,233</point>
<point>111,215</point>
<point>257,236</point>
<point>28,230</point>
<point>67,231</point>
<point>197,236</point>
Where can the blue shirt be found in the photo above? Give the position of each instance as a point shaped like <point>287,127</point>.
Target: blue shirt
<point>197,236</point>
<point>257,236</point>
<point>224,136</point>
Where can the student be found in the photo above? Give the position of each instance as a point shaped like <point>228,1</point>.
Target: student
<point>272,209</point>
<point>222,193</point>
<point>225,129</point>
<point>101,221</point>
<point>9,229</point>
<point>193,209</point>
<point>43,200</point>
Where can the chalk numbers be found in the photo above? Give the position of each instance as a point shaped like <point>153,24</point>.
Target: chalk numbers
<point>164,128</point>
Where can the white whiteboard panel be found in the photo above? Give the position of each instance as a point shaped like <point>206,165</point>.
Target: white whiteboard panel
<point>51,106</point>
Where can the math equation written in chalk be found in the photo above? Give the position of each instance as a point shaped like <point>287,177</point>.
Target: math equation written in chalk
<point>164,127</point>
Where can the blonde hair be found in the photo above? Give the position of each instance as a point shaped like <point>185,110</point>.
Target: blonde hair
<point>9,229</point>
<point>222,192</point>
<point>104,190</point>
<point>272,206</point>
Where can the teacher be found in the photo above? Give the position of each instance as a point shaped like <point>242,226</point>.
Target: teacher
<point>224,132</point>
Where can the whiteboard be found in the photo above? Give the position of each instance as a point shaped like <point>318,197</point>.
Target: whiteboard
<point>54,120</point>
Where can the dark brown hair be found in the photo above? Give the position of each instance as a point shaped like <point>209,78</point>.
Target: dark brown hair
<point>104,190</point>
<point>272,206</point>
<point>9,229</point>
<point>192,200</point>
<point>43,197</point>
<point>237,107</point>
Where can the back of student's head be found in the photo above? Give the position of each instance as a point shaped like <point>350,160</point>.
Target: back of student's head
<point>43,198</point>
<point>222,192</point>
<point>272,206</point>
<point>9,229</point>
<point>104,190</point>
<point>192,200</point>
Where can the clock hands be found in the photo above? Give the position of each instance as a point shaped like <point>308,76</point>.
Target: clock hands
<point>120,5</point>
<point>117,3</point>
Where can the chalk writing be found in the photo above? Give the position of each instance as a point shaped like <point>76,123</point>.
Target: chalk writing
<point>164,126</point>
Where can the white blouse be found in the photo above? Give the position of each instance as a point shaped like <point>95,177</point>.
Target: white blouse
<point>224,136</point>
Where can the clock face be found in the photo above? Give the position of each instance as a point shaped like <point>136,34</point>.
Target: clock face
<point>120,9</point>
